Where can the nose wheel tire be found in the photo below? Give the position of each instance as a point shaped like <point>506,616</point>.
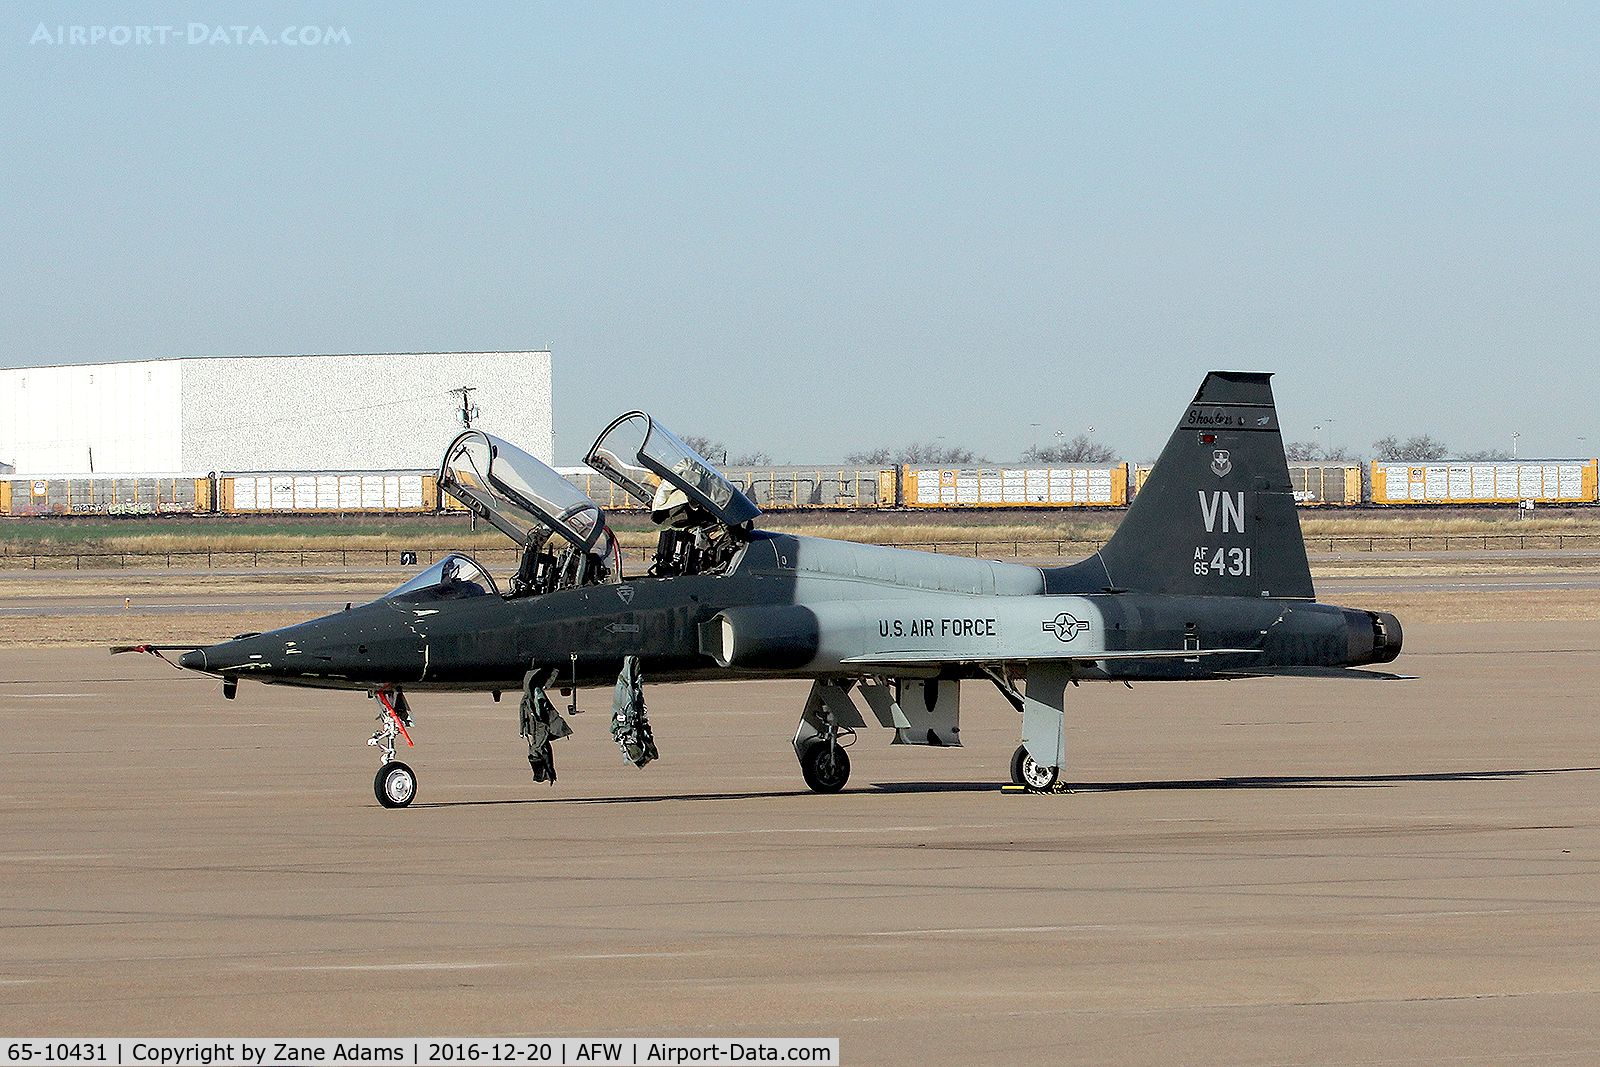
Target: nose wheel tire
<point>825,767</point>
<point>395,785</point>
<point>1026,771</point>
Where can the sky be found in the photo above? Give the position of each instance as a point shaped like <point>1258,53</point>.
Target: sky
<point>816,229</point>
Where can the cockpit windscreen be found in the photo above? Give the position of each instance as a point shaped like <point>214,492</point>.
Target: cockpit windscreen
<point>455,577</point>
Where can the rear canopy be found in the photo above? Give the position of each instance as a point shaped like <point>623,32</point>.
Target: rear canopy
<point>639,454</point>
<point>519,494</point>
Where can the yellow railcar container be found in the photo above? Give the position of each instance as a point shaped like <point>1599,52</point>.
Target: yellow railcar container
<point>889,488</point>
<point>1014,487</point>
<point>105,494</point>
<point>328,492</point>
<point>1326,483</point>
<point>797,488</point>
<point>1314,483</point>
<point>1569,481</point>
<point>771,488</point>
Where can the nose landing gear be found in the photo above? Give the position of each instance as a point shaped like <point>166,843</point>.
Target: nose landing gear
<point>395,784</point>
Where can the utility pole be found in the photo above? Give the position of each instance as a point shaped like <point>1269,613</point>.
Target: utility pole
<point>469,410</point>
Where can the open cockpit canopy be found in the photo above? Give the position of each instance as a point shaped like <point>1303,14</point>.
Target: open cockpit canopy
<point>666,475</point>
<point>520,495</point>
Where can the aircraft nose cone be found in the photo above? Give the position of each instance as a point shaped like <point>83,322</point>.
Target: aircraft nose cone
<point>195,661</point>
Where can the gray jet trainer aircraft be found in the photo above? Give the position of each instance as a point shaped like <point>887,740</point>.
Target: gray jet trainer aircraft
<point>1206,578</point>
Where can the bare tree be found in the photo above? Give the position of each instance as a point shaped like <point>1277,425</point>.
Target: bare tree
<point>1487,455</point>
<point>1081,449</point>
<point>1421,449</point>
<point>1312,452</point>
<point>713,450</point>
<point>717,452</point>
<point>931,454</point>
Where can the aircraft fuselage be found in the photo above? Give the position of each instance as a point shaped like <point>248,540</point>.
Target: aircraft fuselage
<point>806,608</point>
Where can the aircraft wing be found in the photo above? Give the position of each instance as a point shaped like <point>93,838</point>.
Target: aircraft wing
<point>890,660</point>
<point>934,659</point>
<point>1318,672</point>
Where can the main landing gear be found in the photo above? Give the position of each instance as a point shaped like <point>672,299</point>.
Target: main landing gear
<point>395,784</point>
<point>1026,771</point>
<point>825,766</point>
<point>1043,727</point>
<point>820,743</point>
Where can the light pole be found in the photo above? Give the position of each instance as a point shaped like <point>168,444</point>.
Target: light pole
<point>1514,436</point>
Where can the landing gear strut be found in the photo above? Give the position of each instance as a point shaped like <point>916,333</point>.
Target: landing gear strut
<point>1038,763</point>
<point>396,784</point>
<point>820,743</point>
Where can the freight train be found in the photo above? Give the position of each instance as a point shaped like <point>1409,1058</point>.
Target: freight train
<point>787,488</point>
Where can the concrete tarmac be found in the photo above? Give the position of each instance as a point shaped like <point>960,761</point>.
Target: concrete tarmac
<point>1252,872</point>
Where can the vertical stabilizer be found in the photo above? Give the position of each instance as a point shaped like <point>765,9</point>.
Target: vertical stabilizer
<point>1216,516</point>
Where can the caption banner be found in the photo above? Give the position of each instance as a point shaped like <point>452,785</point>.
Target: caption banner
<point>417,1052</point>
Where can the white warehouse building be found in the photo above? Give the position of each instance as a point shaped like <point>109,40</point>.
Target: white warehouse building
<point>269,413</point>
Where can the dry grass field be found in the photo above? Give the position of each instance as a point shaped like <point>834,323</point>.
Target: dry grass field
<point>1471,560</point>
<point>71,609</point>
<point>1090,528</point>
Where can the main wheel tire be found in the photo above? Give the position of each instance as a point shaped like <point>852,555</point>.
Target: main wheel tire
<point>825,767</point>
<point>1016,764</point>
<point>395,785</point>
<point>1029,772</point>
